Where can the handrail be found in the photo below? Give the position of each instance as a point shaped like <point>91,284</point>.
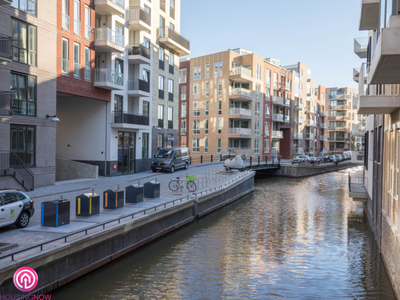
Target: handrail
<point>27,180</point>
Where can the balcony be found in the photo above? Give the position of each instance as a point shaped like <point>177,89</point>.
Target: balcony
<point>241,74</point>
<point>5,103</point>
<point>356,185</point>
<point>286,119</point>
<point>173,40</point>
<point>285,88</point>
<point>287,102</point>
<point>240,94</point>
<point>310,136</point>
<point>339,128</point>
<point>298,136</point>
<point>240,113</point>
<point>277,134</point>
<point>240,131</point>
<point>106,40</point>
<point>108,79</point>
<point>138,54</point>
<point>360,47</point>
<point>126,120</point>
<point>310,123</point>
<point>277,117</point>
<point>298,106</point>
<point>356,74</point>
<point>336,138</point>
<point>109,7</point>
<point>5,47</point>
<point>379,99</point>
<point>323,138</point>
<point>324,126</point>
<point>323,113</point>
<point>138,19</point>
<point>370,14</point>
<point>138,88</point>
<point>298,121</point>
<point>340,107</point>
<point>5,2</point>
<point>385,64</point>
<point>278,100</point>
<point>338,118</point>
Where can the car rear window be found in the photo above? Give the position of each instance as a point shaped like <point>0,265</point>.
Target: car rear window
<point>9,198</point>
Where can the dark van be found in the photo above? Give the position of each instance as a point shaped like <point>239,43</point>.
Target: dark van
<point>170,159</point>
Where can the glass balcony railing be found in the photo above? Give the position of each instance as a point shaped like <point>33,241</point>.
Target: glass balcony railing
<point>242,131</point>
<point>241,71</point>
<point>106,34</point>
<point>109,76</point>
<point>240,111</point>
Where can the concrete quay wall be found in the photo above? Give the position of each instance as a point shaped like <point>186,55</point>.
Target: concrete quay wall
<point>310,170</point>
<point>68,261</point>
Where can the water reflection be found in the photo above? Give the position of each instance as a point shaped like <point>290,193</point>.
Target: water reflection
<point>293,238</point>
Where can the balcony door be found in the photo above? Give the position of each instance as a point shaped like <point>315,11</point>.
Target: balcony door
<point>126,152</point>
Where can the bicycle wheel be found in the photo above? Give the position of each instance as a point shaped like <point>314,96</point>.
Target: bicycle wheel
<point>173,185</point>
<point>191,186</point>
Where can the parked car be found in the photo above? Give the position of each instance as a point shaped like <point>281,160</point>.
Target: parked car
<point>235,163</point>
<point>301,159</point>
<point>330,158</point>
<point>170,159</point>
<point>338,158</point>
<point>15,208</point>
<point>314,160</point>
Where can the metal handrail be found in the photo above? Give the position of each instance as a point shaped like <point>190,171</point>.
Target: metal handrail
<point>27,180</point>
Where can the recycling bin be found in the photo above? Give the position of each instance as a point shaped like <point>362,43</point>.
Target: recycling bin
<point>88,205</point>
<point>152,189</point>
<point>55,213</point>
<point>113,198</point>
<point>134,193</point>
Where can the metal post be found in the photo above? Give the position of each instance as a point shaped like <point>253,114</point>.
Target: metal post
<point>201,159</point>
<point>211,158</point>
<point>251,159</point>
<point>259,161</point>
<point>220,157</point>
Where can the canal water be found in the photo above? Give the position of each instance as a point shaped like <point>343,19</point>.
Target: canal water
<point>292,238</point>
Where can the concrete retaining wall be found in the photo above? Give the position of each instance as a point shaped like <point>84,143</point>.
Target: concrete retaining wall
<point>71,260</point>
<point>69,169</point>
<point>309,170</point>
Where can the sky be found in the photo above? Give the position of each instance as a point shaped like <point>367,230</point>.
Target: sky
<point>319,33</point>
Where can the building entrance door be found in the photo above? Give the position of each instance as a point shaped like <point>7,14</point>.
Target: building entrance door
<point>126,152</point>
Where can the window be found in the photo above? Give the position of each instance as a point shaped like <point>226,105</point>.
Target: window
<point>196,109</point>
<point>258,90</point>
<point>145,75</point>
<point>218,69</point>
<point>220,107</point>
<point>172,8</point>
<point>301,89</point>
<point>195,145</point>
<point>23,94</point>
<point>160,86</point>
<point>218,145</point>
<point>160,140</point>
<point>256,146</point>
<point>171,26</point>
<point>24,41</point>
<point>276,80</point>
<point>170,90</point>
<point>64,53</point>
<point>197,73</point>
<point>87,64</point>
<point>145,145</point>
<point>207,71</point>
<point>257,112</point>
<point>119,34</point>
<point>23,143</point>
<point>88,29</point>
<point>145,108</point>
<point>65,14</point>
<point>258,72</point>
<point>161,112</point>
<point>267,94</point>
<point>26,6</point>
<point>219,128</point>
<point>205,126</point>
<point>161,58</point>
<point>196,90</point>
<point>267,128</point>
<point>205,145</point>
<point>183,110</point>
<point>77,17</point>
<point>171,63</point>
<point>257,127</point>
<point>206,89</point>
<point>77,66</point>
<point>207,108</point>
<point>182,75</point>
<point>266,146</point>
<point>196,127</point>
<point>219,88</point>
<point>170,116</point>
<point>183,92</point>
<point>301,74</point>
<point>267,77</point>
<point>267,111</point>
<point>183,126</point>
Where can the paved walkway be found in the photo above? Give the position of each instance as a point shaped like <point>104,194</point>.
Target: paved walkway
<point>207,176</point>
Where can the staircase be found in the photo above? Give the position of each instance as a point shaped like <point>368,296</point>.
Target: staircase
<point>12,166</point>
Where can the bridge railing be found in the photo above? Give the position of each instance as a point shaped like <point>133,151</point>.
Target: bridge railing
<point>250,161</point>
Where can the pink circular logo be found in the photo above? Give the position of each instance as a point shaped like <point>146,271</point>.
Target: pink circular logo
<point>25,279</point>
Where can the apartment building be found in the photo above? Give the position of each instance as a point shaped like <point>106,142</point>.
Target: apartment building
<point>28,39</point>
<point>112,98</point>
<point>379,90</point>
<point>184,89</point>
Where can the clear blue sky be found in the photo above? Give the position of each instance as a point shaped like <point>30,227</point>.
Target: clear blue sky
<point>319,33</point>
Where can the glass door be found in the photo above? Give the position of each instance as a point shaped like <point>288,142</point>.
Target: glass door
<point>126,153</point>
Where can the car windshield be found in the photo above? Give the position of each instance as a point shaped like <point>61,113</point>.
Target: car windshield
<point>164,153</point>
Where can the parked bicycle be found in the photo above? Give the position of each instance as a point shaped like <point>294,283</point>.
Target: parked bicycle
<point>179,184</point>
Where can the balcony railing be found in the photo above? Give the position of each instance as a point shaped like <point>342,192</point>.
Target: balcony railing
<point>310,136</point>
<point>324,125</point>
<point>136,13</point>
<point>106,34</point>
<point>241,71</point>
<point>298,106</point>
<point>323,138</point>
<point>241,131</point>
<point>340,96</point>
<point>277,134</point>
<point>298,135</point>
<point>277,117</point>
<point>287,102</point>
<point>240,111</point>
<point>340,107</point>
<point>138,84</point>
<point>5,103</point>
<point>240,91</point>
<point>108,75</point>
<point>277,100</point>
<point>323,113</point>
<point>166,32</point>
<point>286,119</point>
<point>298,120</point>
<point>310,123</point>
<point>5,47</point>
<point>129,118</point>
<point>298,150</point>
<point>138,49</point>
<point>65,21</point>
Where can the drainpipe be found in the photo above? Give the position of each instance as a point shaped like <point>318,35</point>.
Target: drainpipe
<point>105,145</point>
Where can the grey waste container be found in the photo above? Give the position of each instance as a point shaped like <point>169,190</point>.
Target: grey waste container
<point>87,204</point>
<point>113,198</point>
<point>152,189</point>
<point>55,213</point>
<point>134,193</point>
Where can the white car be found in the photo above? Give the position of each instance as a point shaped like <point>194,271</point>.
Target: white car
<point>15,208</point>
<point>235,163</point>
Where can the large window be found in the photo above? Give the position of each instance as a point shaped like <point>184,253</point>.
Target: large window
<point>77,66</point>
<point>161,112</point>
<point>219,126</point>
<point>88,29</point>
<point>196,145</point>
<point>205,145</point>
<point>182,75</point>
<point>145,145</point>
<point>28,6</point>
<point>170,90</point>
<point>23,139</point>
<point>256,146</point>
<point>24,40</point>
<point>196,127</point>
<point>64,53</point>
<point>77,17</point>
<point>183,127</point>
<point>183,110</point>
<point>183,92</point>
<point>197,73</point>
<point>205,126</point>
<point>65,14</point>
<point>23,94</point>
<point>218,69</point>
<point>87,64</point>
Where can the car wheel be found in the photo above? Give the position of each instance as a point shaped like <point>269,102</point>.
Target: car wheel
<point>23,220</point>
<point>172,169</point>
